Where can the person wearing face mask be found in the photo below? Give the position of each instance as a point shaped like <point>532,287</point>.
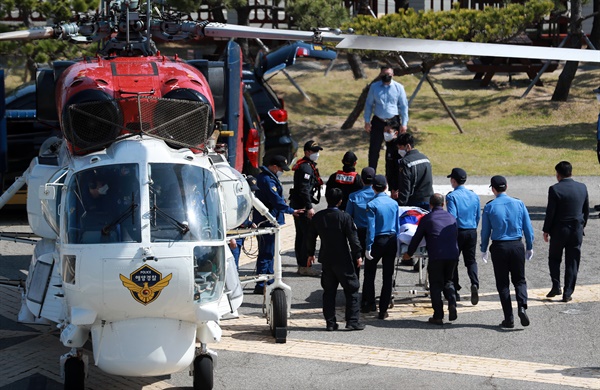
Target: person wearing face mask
<point>306,192</point>
<point>346,179</point>
<point>415,180</point>
<point>270,193</point>
<point>386,103</point>
<point>390,134</point>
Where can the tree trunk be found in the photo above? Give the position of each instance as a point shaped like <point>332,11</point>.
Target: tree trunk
<point>563,86</point>
<point>358,108</point>
<point>595,34</point>
<point>356,65</point>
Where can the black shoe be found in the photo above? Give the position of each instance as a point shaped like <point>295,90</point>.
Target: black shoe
<point>457,297</point>
<point>332,327</point>
<point>355,326</point>
<point>597,207</point>
<point>523,316</point>
<point>474,295</point>
<point>435,321</point>
<point>507,324</point>
<point>452,315</point>
<point>554,292</point>
<point>567,298</point>
<point>383,315</point>
<point>368,308</point>
<point>258,290</point>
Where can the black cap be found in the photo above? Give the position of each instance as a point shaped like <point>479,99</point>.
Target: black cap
<point>312,145</point>
<point>280,161</point>
<point>367,175</point>
<point>252,183</point>
<point>349,158</point>
<point>597,90</point>
<point>498,182</point>
<point>379,183</point>
<point>458,174</point>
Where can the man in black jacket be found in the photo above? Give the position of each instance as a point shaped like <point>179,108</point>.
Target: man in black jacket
<point>415,181</point>
<point>337,231</point>
<point>306,191</point>
<point>346,179</point>
<point>566,216</point>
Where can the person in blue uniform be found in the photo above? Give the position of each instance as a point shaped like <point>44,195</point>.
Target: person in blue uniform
<point>566,216</point>
<point>506,221</point>
<point>464,205</point>
<point>346,179</point>
<point>339,255</point>
<point>270,193</point>
<point>305,193</point>
<point>440,231</point>
<point>388,104</point>
<point>357,208</point>
<point>381,243</point>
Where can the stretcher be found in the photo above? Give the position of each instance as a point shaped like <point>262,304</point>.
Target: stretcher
<point>416,266</point>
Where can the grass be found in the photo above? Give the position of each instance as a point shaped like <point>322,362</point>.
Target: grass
<point>503,134</point>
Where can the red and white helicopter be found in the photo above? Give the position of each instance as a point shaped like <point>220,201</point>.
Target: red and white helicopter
<point>132,204</point>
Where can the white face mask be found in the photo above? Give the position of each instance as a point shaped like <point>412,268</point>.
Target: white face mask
<point>598,97</point>
<point>103,190</point>
<point>279,173</point>
<point>388,136</point>
<point>402,152</point>
<point>314,157</point>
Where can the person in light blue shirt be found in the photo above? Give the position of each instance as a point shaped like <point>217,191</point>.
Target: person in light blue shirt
<point>357,208</point>
<point>464,205</point>
<point>387,103</point>
<point>382,230</point>
<point>506,221</point>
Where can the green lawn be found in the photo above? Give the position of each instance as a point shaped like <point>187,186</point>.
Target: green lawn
<point>503,134</point>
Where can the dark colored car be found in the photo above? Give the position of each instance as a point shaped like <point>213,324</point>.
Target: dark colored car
<point>271,109</point>
<point>24,135</point>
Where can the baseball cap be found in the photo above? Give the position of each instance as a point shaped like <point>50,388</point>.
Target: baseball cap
<point>252,182</point>
<point>458,174</point>
<point>280,161</point>
<point>498,182</point>
<point>349,158</point>
<point>379,182</point>
<point>312,145</point>
<point>367,175</point>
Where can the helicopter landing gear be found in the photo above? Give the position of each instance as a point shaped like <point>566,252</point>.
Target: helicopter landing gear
<point>204,368</point>
<point>74,370</point>
<point>278,315</point>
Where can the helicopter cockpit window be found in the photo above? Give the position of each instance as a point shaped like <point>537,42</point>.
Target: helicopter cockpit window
<point>103,205</point>
<point>184,204</point>
<point>209,272</point>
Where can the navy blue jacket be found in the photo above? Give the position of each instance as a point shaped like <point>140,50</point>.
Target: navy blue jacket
<point>440,231</point>
<point>270,192</point>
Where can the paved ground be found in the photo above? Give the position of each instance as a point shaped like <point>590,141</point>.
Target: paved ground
<point>561,348</point>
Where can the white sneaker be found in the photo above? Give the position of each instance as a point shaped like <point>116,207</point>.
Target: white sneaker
<point>308,271</point>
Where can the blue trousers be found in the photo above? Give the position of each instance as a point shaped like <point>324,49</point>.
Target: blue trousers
<point>266,253</point>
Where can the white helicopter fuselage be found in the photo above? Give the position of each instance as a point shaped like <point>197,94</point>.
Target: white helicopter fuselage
<point>140,266</point>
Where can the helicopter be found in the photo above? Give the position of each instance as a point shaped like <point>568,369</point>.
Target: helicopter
<point>133,203</point>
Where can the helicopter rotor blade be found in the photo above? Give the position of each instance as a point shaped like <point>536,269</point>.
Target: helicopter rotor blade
<point>220,30</point>
<point>31,34</point>
<point>364,42</point>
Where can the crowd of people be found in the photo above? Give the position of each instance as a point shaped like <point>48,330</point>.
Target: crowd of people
<point>360,225</point>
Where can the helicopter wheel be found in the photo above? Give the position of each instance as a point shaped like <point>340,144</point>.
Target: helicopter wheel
<point>74,374</point>
<point>203,372</point>
<point>278,316</point>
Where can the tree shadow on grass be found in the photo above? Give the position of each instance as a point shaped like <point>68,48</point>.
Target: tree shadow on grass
<point>577,136</point>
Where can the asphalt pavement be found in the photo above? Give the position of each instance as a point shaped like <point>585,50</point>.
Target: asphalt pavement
<point>560,349</point>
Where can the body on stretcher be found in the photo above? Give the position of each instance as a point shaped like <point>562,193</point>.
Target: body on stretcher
<point>409,217</point>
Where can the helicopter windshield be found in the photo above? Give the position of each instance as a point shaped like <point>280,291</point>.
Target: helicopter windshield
<point>103,205</point>
<point>184,204</point>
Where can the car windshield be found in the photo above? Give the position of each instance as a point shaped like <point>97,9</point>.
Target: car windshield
<point>103,205</point>
<point>184,204</point>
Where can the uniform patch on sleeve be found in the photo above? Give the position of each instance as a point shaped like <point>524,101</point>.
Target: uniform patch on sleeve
<point>274,189</point>
<point>306,176</point>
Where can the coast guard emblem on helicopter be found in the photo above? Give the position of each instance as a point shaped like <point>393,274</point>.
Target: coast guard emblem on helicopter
<point>145,284</point>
